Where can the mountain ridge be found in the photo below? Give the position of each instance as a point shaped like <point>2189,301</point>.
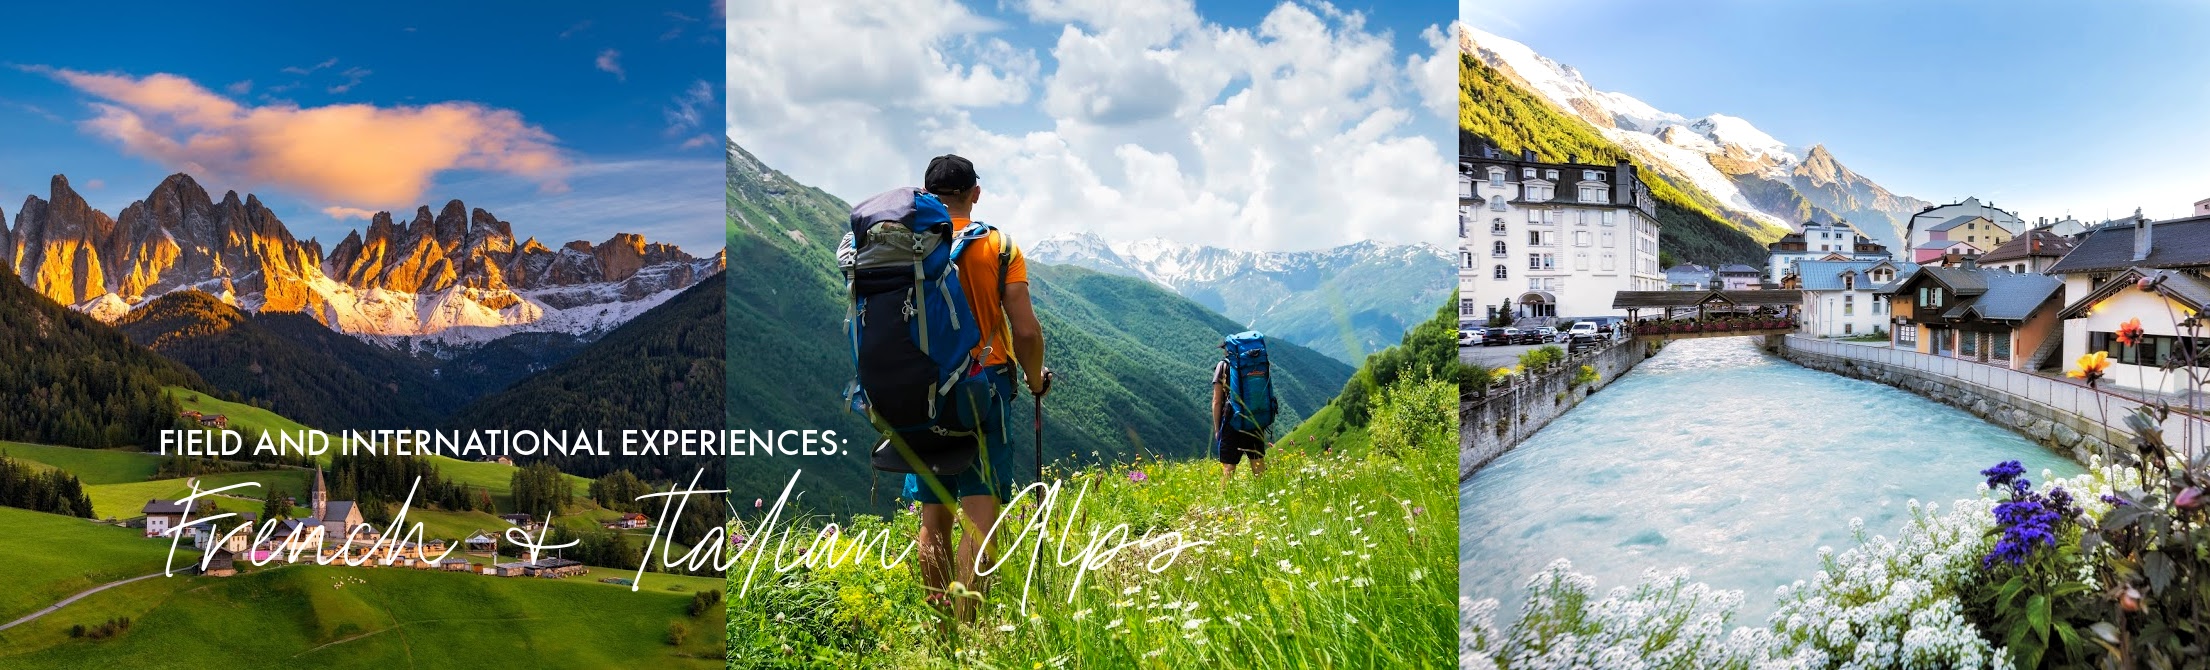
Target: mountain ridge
<point>455,276</point>
<point>1742,169</point>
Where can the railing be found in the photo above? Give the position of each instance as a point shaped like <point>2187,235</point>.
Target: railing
<point>2181,430</point>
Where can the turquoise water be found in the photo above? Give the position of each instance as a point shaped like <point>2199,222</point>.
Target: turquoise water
<point>1716,457</point>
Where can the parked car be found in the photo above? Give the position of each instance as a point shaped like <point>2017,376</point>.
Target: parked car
<point>1536,335</point>
<point>1473,336</point>
<point>1585,330</point>
<point>1498,336</point>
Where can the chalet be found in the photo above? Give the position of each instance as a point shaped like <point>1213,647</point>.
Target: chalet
<point>481,544</point>
<point>521,521</point>
<point>192,414</point>
<point>632,520</point>
<point>514,569</point>
<point>162,515</point>
<point>1991,316</point>
<point>222,564</point>
<point>214,421</point>
<point>2104,277</point>
<point>455,565</point>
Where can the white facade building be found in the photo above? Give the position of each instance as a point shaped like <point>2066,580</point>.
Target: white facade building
<point>1838,299</point>
<point>1941,218</point>
<point>1815,241</point>
<point>2101,286</point>
<point>1541,240</point>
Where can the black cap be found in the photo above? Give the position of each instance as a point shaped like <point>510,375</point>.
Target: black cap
<point>949,174</point>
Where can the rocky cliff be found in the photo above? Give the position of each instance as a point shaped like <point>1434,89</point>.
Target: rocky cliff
<point>455,276</point>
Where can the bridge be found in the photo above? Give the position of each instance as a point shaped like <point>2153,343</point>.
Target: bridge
<point>1663,315</point>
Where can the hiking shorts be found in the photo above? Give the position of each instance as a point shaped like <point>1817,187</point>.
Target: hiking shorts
<point>1235,444</point>
<point>992,473</point>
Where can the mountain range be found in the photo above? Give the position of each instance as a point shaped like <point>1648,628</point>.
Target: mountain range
<point>1133,359</point>
<point>1345,302</point>
<point>1768,186</point>
<point>453,277</point>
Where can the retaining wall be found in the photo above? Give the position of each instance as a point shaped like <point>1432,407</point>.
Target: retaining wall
<point>1488,427</point>
<point>2068,417</point>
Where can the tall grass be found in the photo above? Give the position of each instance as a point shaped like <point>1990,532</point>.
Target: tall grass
<point>1333,559</point>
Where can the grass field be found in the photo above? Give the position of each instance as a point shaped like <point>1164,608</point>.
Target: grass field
<point>243,417</point>
<point>123,501</point>
<point>1342,559</point>
<point>91,466</point>
<point>338,617</point>
<point>49,557</point>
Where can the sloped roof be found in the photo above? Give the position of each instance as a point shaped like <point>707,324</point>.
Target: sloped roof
<point>2036,242</point>
<point>168,507</point>
<point>1827,275</point>
<point>2179,286</point>
<point>1957,221</point>
<point>2012,296</point>
<point>337,510</point>
<point>2175,243</point>
<point>1737,268</point>
<point>1963,281</point>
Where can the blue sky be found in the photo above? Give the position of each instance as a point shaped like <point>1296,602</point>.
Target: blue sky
<point>1255,125</point>
<point>2042,107</point>
<point>573,116</point>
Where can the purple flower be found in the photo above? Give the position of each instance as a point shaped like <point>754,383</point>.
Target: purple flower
<point>2027,520</point>
<point>1137,476</point>
<point>2114,501</point>
<point>2003,473</point>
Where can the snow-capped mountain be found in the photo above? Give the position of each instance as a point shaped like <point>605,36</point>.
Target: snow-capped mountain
<point>1303,296</point>
<point>453,278</point>
<point>1746,170</point>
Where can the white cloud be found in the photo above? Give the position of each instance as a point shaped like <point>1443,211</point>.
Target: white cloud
<point>610,61</point>
<point>1307,130</point>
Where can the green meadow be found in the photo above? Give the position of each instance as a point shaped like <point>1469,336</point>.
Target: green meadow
<point>1338,557</point>
<point>124,501</point>
<point>343,617</point>
<point>49,557</point>
<point>91,466</point>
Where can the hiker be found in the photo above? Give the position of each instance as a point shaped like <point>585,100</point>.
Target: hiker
<point>1243,403</point>
<point>940,317</point>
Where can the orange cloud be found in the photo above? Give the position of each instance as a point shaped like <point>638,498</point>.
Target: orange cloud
<point>343,213</point>
<point>355,154</point>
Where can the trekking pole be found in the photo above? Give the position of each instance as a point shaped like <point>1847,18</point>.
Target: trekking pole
<point>1040,426</point>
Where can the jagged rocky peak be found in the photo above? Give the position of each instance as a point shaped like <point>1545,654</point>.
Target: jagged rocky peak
<point>456,270</point>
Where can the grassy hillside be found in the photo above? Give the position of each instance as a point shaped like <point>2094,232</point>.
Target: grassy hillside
<point>50,556</point>
<point>92,466</point>
<point>291,363</point>
<point>71,380</point>
<point>243,418</point>
<point>124,500</point>
<point>1134,360</point>
<point>1695,228</point>
<point>340,617</point>
<point>1328,561</point>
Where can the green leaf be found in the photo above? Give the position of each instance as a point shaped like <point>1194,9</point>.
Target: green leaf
<point>2037,613</point>
<point>2159,568</point>
<point>2008,593</point>
<point>2070,637</point>
<point>2121,517</point>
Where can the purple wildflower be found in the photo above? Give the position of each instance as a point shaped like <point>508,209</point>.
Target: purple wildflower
<point>1137,476</point>
<point>2028,520</point>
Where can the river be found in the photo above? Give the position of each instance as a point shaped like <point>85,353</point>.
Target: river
<point>1719,458</point>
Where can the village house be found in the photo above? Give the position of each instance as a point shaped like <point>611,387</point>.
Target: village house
<point>162,515</point>
<point>631,520</point>
<point>1996,317</point>
<point>519,520</point>
<point>1815,241</point>
<point>480,544</point>
<point>214,421</point>
<point>2032,252</point>
<point>339,519</point>
<point>222,564</point>
<point>1738,277</point>
<point>203,535</point>
<point>1934,253</point>
<point>2105,273</point>
<point>1970,221</point>
<point>1838,296</point>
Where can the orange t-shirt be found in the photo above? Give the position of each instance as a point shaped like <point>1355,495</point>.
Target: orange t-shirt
<point>978,271</point>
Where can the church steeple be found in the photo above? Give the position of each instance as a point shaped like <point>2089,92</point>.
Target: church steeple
<point>319,495</point>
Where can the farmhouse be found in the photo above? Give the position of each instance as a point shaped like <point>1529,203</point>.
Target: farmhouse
<point>162,515</point>
<point>521,521</point>
<point>631,520</point>
<point>214,421</point>
<point>2152,273</point>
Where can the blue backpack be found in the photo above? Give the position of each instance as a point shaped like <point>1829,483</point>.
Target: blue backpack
<point>913,334</point>
<point>1251,405</point>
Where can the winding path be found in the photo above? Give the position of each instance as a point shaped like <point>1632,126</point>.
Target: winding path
<point>65,601</point>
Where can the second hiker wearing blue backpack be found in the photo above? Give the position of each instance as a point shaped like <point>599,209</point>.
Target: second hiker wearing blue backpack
<point>1243,404</point>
